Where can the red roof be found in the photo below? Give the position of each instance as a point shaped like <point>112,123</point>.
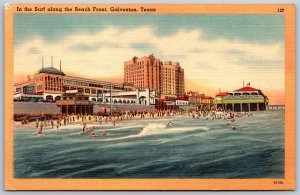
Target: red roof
<point>200,95</point>
<point>247,88</point>
<point>222,94</point>
<point>207,97</point>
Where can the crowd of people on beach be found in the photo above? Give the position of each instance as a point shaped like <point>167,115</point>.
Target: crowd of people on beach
<point>64,120</point>
<point>219,114</point>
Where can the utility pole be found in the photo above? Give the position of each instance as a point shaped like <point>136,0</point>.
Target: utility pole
<point>110,99</point>
<point>42,62</point>
<point>97,96</point>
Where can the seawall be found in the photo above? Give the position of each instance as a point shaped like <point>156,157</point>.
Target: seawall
<point>38,108</point>
<point>35,108</point>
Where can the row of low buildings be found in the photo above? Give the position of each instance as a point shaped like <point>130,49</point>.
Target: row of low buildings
<point>147,81</point>
<point>244,99</point>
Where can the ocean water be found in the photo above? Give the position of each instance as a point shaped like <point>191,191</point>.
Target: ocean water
<point>191,148</point>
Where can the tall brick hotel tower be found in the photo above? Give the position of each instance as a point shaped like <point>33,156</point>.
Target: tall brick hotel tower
<point>148,72</point>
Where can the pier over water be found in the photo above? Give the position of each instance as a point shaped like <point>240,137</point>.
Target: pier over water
<point>275,107</point>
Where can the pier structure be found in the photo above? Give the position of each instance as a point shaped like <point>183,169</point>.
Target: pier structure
<point>275,107</point>
<point>73,102</point>
<point>245,99</point>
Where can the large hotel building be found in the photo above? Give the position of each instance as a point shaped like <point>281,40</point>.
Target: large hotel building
<point>146,79</point>
<point>148,72</point>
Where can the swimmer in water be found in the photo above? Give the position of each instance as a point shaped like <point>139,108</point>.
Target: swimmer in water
<point>170,123</point>
<point>234,128</point>
<point>40,132</point>
<point>93,134</point>
<point>105,133</point>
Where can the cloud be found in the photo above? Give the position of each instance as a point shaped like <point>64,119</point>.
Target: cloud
<point>213,64</point>
<point>33,50</point>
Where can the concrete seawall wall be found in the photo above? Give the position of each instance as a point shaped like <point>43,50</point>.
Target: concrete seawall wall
<point>35,108</point>
<point>52,108</point>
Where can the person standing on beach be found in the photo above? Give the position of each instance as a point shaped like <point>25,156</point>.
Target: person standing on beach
<point>57,124</point>
<point>37,123</point>
<point>52,123</point>
<point>84,127</point>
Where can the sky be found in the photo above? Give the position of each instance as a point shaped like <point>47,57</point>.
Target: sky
<point>217,52</point>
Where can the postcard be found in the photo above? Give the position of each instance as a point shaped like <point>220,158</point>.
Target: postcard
<point>149,97</point>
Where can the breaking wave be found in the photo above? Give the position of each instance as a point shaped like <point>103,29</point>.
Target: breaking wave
<point>158,128</point>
